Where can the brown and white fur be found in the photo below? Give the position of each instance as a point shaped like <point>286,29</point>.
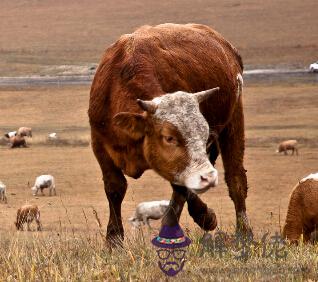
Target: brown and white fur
<point>26,214</point>
<point>25,131</point>
<point>17,142</point>
<point>163,98</point>
<point>42,182</point>
<point>288,145</point>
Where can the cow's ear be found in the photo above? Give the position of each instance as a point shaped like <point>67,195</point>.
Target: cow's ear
<point>132,124</point>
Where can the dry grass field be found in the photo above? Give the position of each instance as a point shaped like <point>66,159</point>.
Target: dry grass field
<point>38,35</point>
<point>273,113</point>
<point>71,246</point>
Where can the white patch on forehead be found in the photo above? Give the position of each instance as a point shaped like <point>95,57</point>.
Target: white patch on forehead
<point>182,110</point>
<point>313,176</point>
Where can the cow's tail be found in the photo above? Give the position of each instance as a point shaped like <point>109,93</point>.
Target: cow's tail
<point>239,80</point>
<point>219,127</point>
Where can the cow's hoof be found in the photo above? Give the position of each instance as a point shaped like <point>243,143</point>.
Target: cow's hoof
<point>114,238</point>
<point>114,242</point>
<point>243,227</point>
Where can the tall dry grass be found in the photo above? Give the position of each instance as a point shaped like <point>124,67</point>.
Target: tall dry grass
<point>78,256</point>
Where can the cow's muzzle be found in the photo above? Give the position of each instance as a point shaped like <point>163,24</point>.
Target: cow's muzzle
<point>202,181</point>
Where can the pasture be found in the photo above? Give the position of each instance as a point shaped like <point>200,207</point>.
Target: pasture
<point>68,38</point>
<point>272,113</point>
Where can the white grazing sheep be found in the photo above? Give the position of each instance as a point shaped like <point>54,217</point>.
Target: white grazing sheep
<point>53,136</point>
<point>42,182</point>
<point>149,210</point>
<point>10,134</point>
<point>3,196</point>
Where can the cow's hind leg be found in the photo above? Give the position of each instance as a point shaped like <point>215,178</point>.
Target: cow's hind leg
<point>232,147</point>
<point>115,186</point>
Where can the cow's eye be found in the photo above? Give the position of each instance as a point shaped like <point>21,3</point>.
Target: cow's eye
<point>170,140</point>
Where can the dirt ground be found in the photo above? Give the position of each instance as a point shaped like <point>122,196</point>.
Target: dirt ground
<point>272,113</point>
<point>38,35</point>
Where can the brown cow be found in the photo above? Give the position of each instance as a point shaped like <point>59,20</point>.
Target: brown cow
<point>26,214</point>
<point>149,110</point>
<point>17,141</point>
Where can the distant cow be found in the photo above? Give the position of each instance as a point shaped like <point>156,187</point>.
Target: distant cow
<point>3,196</point>
<point>26,214</point>
<point>10,134</point>
<point>288,145</point>
<point>17,142</point>
<point>159,99</point>
<point>25,131</point>
<point>302,213</point>
<point>42,182</point>
<point>149,210</point>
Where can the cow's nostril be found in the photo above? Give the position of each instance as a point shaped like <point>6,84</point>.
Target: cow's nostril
<point>209,177</point>
<point>204,178</point>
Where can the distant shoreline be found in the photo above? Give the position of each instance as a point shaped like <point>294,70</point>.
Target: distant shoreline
<point>252,76</point>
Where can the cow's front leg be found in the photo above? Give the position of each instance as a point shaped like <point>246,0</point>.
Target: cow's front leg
<point>198,210</point>
<point>201,214</point>
<point>115,186</point>
<point>173,213</point>
<point>232,149</point>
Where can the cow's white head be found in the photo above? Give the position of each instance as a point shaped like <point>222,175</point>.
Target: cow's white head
<point>175,137</point>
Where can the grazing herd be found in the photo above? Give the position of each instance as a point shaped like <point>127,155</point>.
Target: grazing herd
<point>27,213</point>
<point>17,138</point>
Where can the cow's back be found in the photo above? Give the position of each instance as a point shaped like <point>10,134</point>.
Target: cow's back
<point>163,59</point>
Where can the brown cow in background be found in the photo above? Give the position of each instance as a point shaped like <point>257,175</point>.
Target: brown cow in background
<point>17,142</point>
<point>149,110</point>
